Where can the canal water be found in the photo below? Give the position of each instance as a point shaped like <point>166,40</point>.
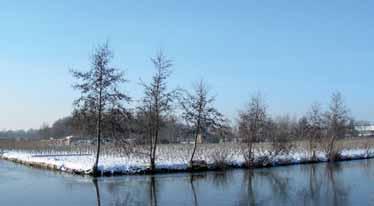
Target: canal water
<point>343,183</point>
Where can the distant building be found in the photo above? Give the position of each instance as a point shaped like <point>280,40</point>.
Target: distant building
<point>365,131</point>
<point>77,140</point>
<point>69,140</point>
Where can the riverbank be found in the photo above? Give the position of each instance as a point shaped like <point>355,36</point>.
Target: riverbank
<point>172,161</point>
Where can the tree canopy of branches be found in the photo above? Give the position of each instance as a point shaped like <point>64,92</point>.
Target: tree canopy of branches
<point>337,120</point>
<point>99,91</point>
<point>156,103</point>
<point>252,122</point>
<point>198,111</point>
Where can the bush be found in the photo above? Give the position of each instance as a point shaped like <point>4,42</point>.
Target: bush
<point>220,158</point>
<point>248,158</point>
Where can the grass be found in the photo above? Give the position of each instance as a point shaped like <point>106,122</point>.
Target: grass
<point>218,152</point>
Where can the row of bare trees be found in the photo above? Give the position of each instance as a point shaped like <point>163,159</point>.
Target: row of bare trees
<point>102,99</point>
<point>320,128</point>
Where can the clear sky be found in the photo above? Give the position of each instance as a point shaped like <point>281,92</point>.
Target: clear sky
<point>294,52</point>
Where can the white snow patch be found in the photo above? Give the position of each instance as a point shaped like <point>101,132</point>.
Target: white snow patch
<point>173,160</point>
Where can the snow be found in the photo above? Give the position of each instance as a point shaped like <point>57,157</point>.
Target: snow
<point>357,153</point>
<point>170,159</point>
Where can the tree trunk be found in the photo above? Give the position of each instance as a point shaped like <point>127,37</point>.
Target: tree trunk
<point>252,138</point>
<point>151,159</point>
<point>312,147</point>
<point>98,135</point>
<point>154,147</point>
<point>151,128</point>
<point>195,144</point>
<point>153,165</point>
<point>250,150</point>
<point>331,152</point>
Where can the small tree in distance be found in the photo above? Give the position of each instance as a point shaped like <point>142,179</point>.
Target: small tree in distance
<point>198,110</point>
<point>252,122</point>
<point>337,119</point>
<point>99,92</point>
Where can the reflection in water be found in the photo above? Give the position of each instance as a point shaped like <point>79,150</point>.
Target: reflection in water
<point>248,197</point>
<point>311,194</point>
<point>94,180</point>
<point>278,185</point>
<point>314,184</point>
<point>221,179</point>
<point>366,167</point>
<point>250,191</point>
<point>336,186</point>
<point>324,186</point>
<point>152,191</point>
<point>116,195</point>
<point>195,202</point>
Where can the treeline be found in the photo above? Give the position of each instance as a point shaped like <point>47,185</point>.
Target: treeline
<point>102,105</point>
<point>61,128</point>
<point>173,130</point>
<point>19,134</point>
<point>320,128</point>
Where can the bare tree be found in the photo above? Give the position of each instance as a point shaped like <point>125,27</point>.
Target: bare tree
<point>156,103</point>
<point>99,88</point>
<point>198,110</point>
<point>252,122</point>
<point>315,128</point>
<point>337,119</point>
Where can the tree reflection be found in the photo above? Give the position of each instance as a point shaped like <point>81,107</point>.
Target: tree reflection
<point>221,179</point>
<point>324,186</point>
<point>98,200</point>
<point>335,186</point>
<point>195,202</point>
<point>120,197</point>
<point>152,192</point>
<point>311,193</point>
<point>249,197</point>
<point>314,184</point>
<point>368,167</point>
<point>278,184</point>
<point>193,178</point>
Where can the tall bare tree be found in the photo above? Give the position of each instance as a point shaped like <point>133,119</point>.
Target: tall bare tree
<point>198,110</point>
<point>156,103</point>
<point>337,119</point>
<point>252,122</point>
<point>99,91</point>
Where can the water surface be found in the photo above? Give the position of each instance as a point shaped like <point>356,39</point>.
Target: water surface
<point>343,183</point>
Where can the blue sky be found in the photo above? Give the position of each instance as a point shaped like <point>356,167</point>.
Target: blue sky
<point>293,52</point>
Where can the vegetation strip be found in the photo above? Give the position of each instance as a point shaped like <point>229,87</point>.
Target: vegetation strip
<point>259,163</point>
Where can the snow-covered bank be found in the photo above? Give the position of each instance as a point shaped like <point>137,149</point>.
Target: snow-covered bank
<point>169,161</point>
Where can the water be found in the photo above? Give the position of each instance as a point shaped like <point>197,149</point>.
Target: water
<point>344,183</point>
